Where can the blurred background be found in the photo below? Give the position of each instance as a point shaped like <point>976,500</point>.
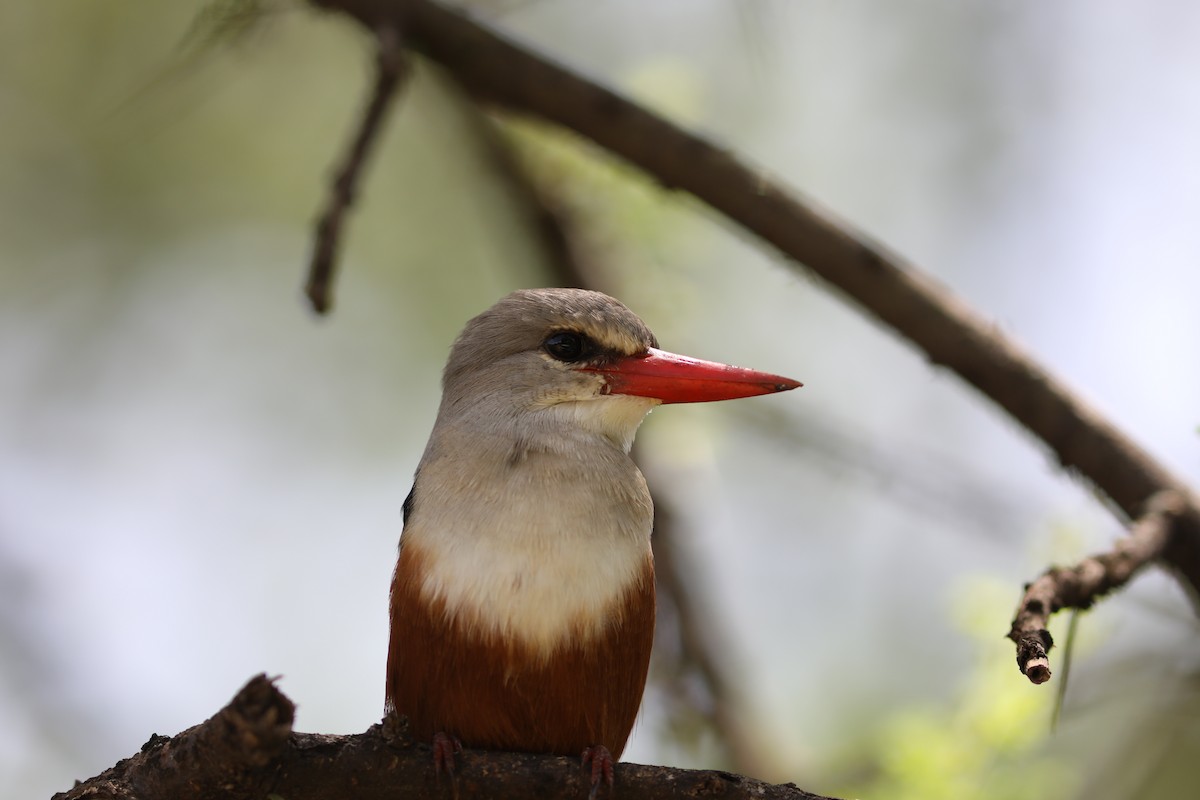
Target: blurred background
<point>200,481</point>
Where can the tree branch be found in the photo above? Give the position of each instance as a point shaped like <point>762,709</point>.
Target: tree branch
<point>248,750</point>
<point>1081,585</point>
<point>234,749</point>
<point>496,70</point>
<point>389,72</point>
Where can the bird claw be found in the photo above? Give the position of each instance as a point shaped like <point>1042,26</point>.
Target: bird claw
<point>445,747</point>
<point>602,767</point>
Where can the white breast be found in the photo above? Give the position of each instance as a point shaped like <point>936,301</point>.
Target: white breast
<point>533,546</point>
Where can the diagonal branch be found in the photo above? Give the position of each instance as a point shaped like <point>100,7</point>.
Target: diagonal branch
<point>496,70</point>
<point>1081,585</point>
<point>389,72</point>
<point>248,750</point>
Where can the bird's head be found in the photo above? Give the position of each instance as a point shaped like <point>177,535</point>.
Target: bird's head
<point>544,357</point>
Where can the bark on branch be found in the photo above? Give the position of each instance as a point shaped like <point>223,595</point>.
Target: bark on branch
<point>1081,585</point>
<point>248,750</point>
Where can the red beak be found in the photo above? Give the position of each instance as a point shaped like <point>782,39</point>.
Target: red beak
<point>673,378</point>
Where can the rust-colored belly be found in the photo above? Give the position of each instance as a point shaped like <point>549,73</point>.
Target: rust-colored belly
<point>496,694</point>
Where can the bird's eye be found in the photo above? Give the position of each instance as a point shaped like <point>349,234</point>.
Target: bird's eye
<point>567,346</point>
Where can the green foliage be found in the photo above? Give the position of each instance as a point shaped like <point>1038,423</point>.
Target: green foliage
<point>985,745</point>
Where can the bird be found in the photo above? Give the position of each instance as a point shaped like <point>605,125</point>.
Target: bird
<point>522,604</point>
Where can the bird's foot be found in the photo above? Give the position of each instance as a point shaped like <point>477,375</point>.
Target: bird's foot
<point>445,747</point>
<point>602,767</point>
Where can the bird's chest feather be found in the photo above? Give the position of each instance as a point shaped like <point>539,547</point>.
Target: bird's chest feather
<point>535,553</point>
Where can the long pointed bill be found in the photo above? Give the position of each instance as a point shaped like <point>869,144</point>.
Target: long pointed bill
<point>673,378</point>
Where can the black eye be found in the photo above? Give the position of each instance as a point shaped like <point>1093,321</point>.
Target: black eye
<point>567,346</point>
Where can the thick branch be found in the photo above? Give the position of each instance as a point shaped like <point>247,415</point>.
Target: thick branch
<point>951,334</point>
<point>1081,585</point>
<point>389,71</point>
<point>248,750</point>
<point>235,749</point>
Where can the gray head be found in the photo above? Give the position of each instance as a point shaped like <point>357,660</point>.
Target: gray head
<point>575,362</point>
<point>536,345</point>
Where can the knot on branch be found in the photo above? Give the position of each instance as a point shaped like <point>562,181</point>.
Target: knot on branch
<point>258,721</point>
<point>1032,649</point>
<point>228,755</point>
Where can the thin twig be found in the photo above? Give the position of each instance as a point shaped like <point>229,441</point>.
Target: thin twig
<point>389,72</point>
<point>1060,697</point>
<point>1081,585</point>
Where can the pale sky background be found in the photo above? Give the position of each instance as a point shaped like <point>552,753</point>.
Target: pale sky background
<point>199,481</point>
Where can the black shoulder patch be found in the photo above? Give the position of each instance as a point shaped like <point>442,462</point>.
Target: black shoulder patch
<point>408,503</point>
